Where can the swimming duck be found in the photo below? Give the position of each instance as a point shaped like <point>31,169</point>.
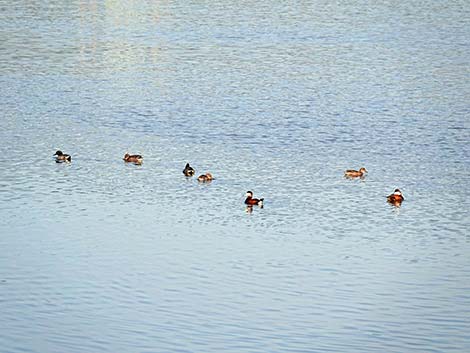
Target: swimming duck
<point>62,157</point>
<point>251,201</point>
<point>396,198</point>
<point>350,173</point>
<point>134,158</point>
<point>205,177</point>
<point>188,170</point>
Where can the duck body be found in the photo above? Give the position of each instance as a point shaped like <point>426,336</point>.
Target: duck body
<point>396,198</point>
<point>188,170</point>
<point>205,178</point>
<point>61,157</point>
<point>351,173</point>
<point>250,201</point>
<point>133,158</point>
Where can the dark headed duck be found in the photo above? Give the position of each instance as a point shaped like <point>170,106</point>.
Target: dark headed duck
<point>134,158</point>
<point>188,170</point>
<point>62,157</point>
<point>251,201</point>
<point>396,198</point>
<point>350,173</point>
<point>205,177</point>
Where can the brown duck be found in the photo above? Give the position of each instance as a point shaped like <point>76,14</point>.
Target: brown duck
<point>134,158</point>
<point>251,201</point>
<point>396,198</point>
<point>205,178</point>
<point>351,173</point>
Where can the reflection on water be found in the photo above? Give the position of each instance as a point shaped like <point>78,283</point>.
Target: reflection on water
<point>110,256</point>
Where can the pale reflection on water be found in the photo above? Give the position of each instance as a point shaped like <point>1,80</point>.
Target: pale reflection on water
<point>280,99</point>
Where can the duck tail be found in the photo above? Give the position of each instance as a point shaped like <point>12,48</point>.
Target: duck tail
<point>69,158</point>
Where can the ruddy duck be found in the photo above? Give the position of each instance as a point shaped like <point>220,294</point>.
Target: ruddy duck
<point>62,157</point>
<point>350,173</point>
<point>396,198</point>
<point>188,170</point>
<point>205,177</point>
<point>251,201</point>
<point>135,158</point>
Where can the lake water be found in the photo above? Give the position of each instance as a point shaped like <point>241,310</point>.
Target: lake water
<point>269,96</point>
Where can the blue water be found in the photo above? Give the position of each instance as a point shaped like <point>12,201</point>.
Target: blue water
<point>273,97</point>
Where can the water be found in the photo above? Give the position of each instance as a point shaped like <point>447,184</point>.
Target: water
<point>277,98</point>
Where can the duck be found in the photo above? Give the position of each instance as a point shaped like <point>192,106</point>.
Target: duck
<point>351,173</point>
<point>396,198</point>
<point>134,158</point>
<point>61,157</point>
<point>188,170</point>
<point>251,201</point>
<point>205,177</point>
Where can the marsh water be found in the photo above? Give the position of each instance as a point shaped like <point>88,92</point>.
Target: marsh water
<point>270,96</point>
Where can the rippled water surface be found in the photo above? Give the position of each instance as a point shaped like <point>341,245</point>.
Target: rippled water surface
<point>270,96</point>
